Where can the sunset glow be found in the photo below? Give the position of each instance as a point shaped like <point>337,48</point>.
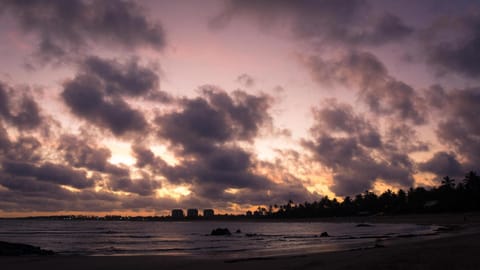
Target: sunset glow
<point>231,105</point>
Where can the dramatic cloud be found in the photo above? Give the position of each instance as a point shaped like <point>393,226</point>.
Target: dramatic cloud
<point>460,126</point>
<point>129,79</point>
<point>49,172</point>
<point>206,132</point>
<point>24,149</point>
<point>141,186</point>
<point>97,94</point>
<point>26,195</point>
<point>20,111</point>
<point>213,175</point>
<point>214,119</point>
<point>383,94</point>
<point>65,28</point>
<point>443,164</point>
<point>346,22</point>
<point>204,128</point>
<point>80,154</point>
<point>86,99</point>
<point>402,137</point>
<point>29,188</point>
<point>143,156</point>
<point>4,140</point>
<point>459,54</point>
<point>353,149</point>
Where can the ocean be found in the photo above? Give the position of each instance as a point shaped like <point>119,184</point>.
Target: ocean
<point>115,238</point>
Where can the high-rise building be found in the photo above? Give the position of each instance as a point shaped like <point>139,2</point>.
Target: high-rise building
<point>177,213</point>
<point>208,213</point>
<point>192,212</point>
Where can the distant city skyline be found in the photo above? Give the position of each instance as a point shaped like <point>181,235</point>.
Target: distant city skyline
<point>140,107</point>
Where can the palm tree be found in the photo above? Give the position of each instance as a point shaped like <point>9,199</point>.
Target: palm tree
<point>472,181</point>
<point>448,183</point>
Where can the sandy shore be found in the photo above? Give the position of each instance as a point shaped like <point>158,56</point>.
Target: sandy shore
<point>458,249</point>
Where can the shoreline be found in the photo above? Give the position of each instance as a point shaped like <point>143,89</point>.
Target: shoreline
<point>456,251</point>
<point>456,247</point>
<point>417,218</point>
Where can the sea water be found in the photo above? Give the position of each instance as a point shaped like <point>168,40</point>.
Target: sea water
<point>88,237</point>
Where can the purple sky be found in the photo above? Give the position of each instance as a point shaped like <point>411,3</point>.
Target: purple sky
<point>139,107</point>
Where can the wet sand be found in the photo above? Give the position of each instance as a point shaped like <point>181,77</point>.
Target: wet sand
<point>456,249</point>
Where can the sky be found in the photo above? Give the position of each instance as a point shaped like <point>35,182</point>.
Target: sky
<point>139,107</point>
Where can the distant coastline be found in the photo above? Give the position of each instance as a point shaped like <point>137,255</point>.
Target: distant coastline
<point>424,218</point>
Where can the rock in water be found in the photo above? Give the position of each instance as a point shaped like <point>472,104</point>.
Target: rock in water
<point>14,249</point>
<point>364,225</point>
<point>324,234</point>
<point>221,231</point>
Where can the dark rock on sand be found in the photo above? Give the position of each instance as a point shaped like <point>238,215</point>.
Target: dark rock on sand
<point>364,225</point>
<point>447,228</point>
<point>14,249</point>
<point>238,231</point>
<point>221,231</point>
<point>324,234</point>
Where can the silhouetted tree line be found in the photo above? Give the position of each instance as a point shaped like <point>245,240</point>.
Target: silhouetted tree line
<point>449,196</point>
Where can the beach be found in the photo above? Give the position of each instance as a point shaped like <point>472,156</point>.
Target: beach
<point>453,249</point>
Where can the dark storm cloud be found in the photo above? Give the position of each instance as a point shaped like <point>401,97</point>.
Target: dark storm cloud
<point>452,45</point>
<point>85,96</point>
<point>222,167</point>
<point>25,194</point>
<point>349,145</point>
<point>436,96</point>
<point>31,187</point>
<point>195,128</point>
<point>129,79</point>
<point>246,112</point>
<point>363,72</point>
<point>347,22</point>
<point>143,156</point>
<point>100,91</point>
<point>81,154</point>
<point>404,138</point>
<point>205,133</point>
<point>386,28</point>
<point>142,186</point>
<point>362,69</point>
<point>219,168</point>
<point>4,138</point>
<point>442,164</point>
<point>396,98</point>
<point>212,175</point>
<point>459,125</point>
<point>26,176</point>
<point>276,194</point>
<point>215,118</point>
<point>338,117</point>
<point>68,27</point>
<point>24,149</point>
<point>228,167</point>
<point>19,109</point>
<point>49,172</point>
